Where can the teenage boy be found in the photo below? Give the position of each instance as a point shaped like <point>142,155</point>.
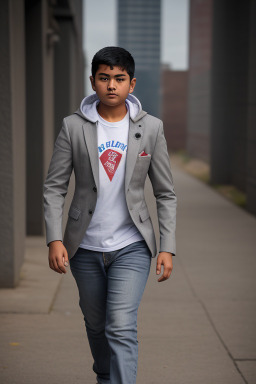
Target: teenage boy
<point>111,144</point>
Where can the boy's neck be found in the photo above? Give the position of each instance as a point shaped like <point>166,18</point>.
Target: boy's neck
<point>112,114</point>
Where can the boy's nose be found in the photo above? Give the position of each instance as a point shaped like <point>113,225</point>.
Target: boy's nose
<point>111,84</point>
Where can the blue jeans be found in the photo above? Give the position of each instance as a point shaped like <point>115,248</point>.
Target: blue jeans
<point>111,285</point>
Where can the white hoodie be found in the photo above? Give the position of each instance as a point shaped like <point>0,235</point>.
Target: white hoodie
<point>111,226</point>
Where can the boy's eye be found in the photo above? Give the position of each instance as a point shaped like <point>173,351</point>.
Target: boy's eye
<point>119,80</point>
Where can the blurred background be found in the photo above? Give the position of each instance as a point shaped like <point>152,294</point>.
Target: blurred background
<point>195,69</point>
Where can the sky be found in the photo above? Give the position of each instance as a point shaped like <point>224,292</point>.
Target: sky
<point>100,30</point>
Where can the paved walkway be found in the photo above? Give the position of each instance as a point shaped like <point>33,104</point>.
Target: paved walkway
<point>198,327</point>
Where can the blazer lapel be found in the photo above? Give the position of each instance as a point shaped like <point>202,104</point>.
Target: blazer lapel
<point>134,140</point>
<point>90,136</point>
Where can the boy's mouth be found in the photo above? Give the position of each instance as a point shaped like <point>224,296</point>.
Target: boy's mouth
<point>111,94</point>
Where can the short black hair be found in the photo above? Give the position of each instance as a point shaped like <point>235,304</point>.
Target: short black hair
<point>114,56</point>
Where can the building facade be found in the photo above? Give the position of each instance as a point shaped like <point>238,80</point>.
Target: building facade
<point>174,86</point>
<point>139,33</point>
<point>199,81</point>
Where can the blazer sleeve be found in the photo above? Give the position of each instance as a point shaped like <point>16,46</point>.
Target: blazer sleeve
<point>166,201</point>
<point>56,184</point>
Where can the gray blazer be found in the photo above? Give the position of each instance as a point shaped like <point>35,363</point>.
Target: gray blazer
<point>76,148</point>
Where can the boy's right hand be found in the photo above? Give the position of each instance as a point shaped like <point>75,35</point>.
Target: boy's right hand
<point>58,256</point>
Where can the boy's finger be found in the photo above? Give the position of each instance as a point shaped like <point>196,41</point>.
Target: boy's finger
<point>61,265</point>
<point>51,264</point>
<point>56,266</point>
<point>158,268</point>
<point>65,259</point>
<point>166,274</point>
<point>163,277</point>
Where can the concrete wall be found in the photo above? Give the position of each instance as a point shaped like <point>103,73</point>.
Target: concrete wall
<point>68,62</point>
<point>29,32</point>
<point>39,109</point>
<point>222,91</point>
<point>54,86</point>
<point>12,143</point>
<point>251,134</point>
<point>229,107</point>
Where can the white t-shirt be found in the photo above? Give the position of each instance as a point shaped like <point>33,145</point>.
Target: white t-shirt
<point>111,226</point>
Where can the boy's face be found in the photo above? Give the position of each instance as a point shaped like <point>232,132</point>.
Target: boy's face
<point>112,85</point>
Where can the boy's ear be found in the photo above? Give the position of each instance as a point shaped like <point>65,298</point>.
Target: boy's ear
<point>132,85</point>
<point>92,82</point>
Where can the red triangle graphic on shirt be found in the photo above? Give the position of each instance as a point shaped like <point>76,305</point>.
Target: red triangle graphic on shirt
<point>110,160</point>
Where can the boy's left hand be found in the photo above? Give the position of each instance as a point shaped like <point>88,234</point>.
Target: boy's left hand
<point>165,259</point>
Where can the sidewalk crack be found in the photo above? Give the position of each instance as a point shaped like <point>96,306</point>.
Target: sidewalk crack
<point>245,359</point>
<point>55,296</point>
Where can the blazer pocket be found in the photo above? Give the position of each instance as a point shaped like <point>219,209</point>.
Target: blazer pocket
<point>74,213</point>
<point>144,214</point>
<point>145,157</point>
<point>143,162</point>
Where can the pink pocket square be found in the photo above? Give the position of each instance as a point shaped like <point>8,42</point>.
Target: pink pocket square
<point>143,154</point>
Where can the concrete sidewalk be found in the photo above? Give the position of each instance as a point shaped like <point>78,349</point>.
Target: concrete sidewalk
<point>198,327</point>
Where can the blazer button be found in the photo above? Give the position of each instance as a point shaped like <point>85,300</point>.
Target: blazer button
<point>137,135</point>
<point>90,211</point>
<point>94,189</point>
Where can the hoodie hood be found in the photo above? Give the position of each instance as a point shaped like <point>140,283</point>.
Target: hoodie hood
<point>89,111</point>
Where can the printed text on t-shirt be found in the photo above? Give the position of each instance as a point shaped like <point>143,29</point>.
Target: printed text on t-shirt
<point>112,144</point>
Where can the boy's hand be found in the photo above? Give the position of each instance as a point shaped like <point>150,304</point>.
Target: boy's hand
<point>165,259</point>
<point>58,256</point>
